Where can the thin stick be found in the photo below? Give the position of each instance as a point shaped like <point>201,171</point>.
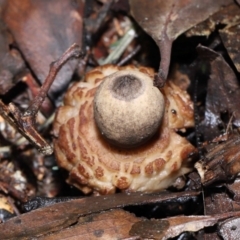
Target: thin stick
<point>129,56</point>
<point>25,121</point>
<point>73,51</point>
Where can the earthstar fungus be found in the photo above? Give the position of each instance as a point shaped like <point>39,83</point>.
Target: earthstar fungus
<point>96,162</point>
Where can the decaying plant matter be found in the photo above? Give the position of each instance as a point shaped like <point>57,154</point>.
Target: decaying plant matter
<point>48,18</point>
<point>165,21</point>
<point>117,131</point>
<point>94,164</point>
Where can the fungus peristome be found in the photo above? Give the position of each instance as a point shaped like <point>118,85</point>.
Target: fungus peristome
<point>96,165</point>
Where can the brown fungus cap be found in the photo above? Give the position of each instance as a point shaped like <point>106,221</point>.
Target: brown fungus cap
<point>95,165</point>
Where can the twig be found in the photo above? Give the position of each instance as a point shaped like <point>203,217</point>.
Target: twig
<point>25,121</point>
<point>129,56</point>
<point>165,48</point>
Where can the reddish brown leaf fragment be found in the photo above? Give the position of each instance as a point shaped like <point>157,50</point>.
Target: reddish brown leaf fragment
<point>164,21</point>
<point>114,224</point>
<point>54,26</point>
<point>12,66</point>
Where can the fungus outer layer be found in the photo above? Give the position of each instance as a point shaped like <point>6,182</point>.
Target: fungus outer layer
<point>95,165</point>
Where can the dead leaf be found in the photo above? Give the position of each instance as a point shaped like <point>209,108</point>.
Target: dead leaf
<point>12,66</point>
<point>228,18</point>
<point>222,93</point>
<point>231,39</point>
<point>218,203</point>
<point>62,215</point>
<point>171,227</point>
<point>230,229</point>
<point>54,26</point>
<point>114,224</point>
<point>164,21</point>
<point>225,17</point>
<point>234,188</point>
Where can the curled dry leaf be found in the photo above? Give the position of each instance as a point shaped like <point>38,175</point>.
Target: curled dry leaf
<point>164,21</point>
<point>94,164</point>
<point>54,26</point>
<point>229,19</point>
<point>223,92</point>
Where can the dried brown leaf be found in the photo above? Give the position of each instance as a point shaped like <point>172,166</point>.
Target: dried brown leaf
<point>171,227</point>
<point>164,21</point>
<point>234,188</point>
<point>227,17</point>
<point>43,30</point>
<point>231,40</point>
<point>218,203</point>
<point>61,215</point>
<point>12,66</point>
<point>114,224</point>
<point>223,92</point>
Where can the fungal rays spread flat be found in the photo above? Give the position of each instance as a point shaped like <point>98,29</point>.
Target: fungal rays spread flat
<point>96,165</point>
